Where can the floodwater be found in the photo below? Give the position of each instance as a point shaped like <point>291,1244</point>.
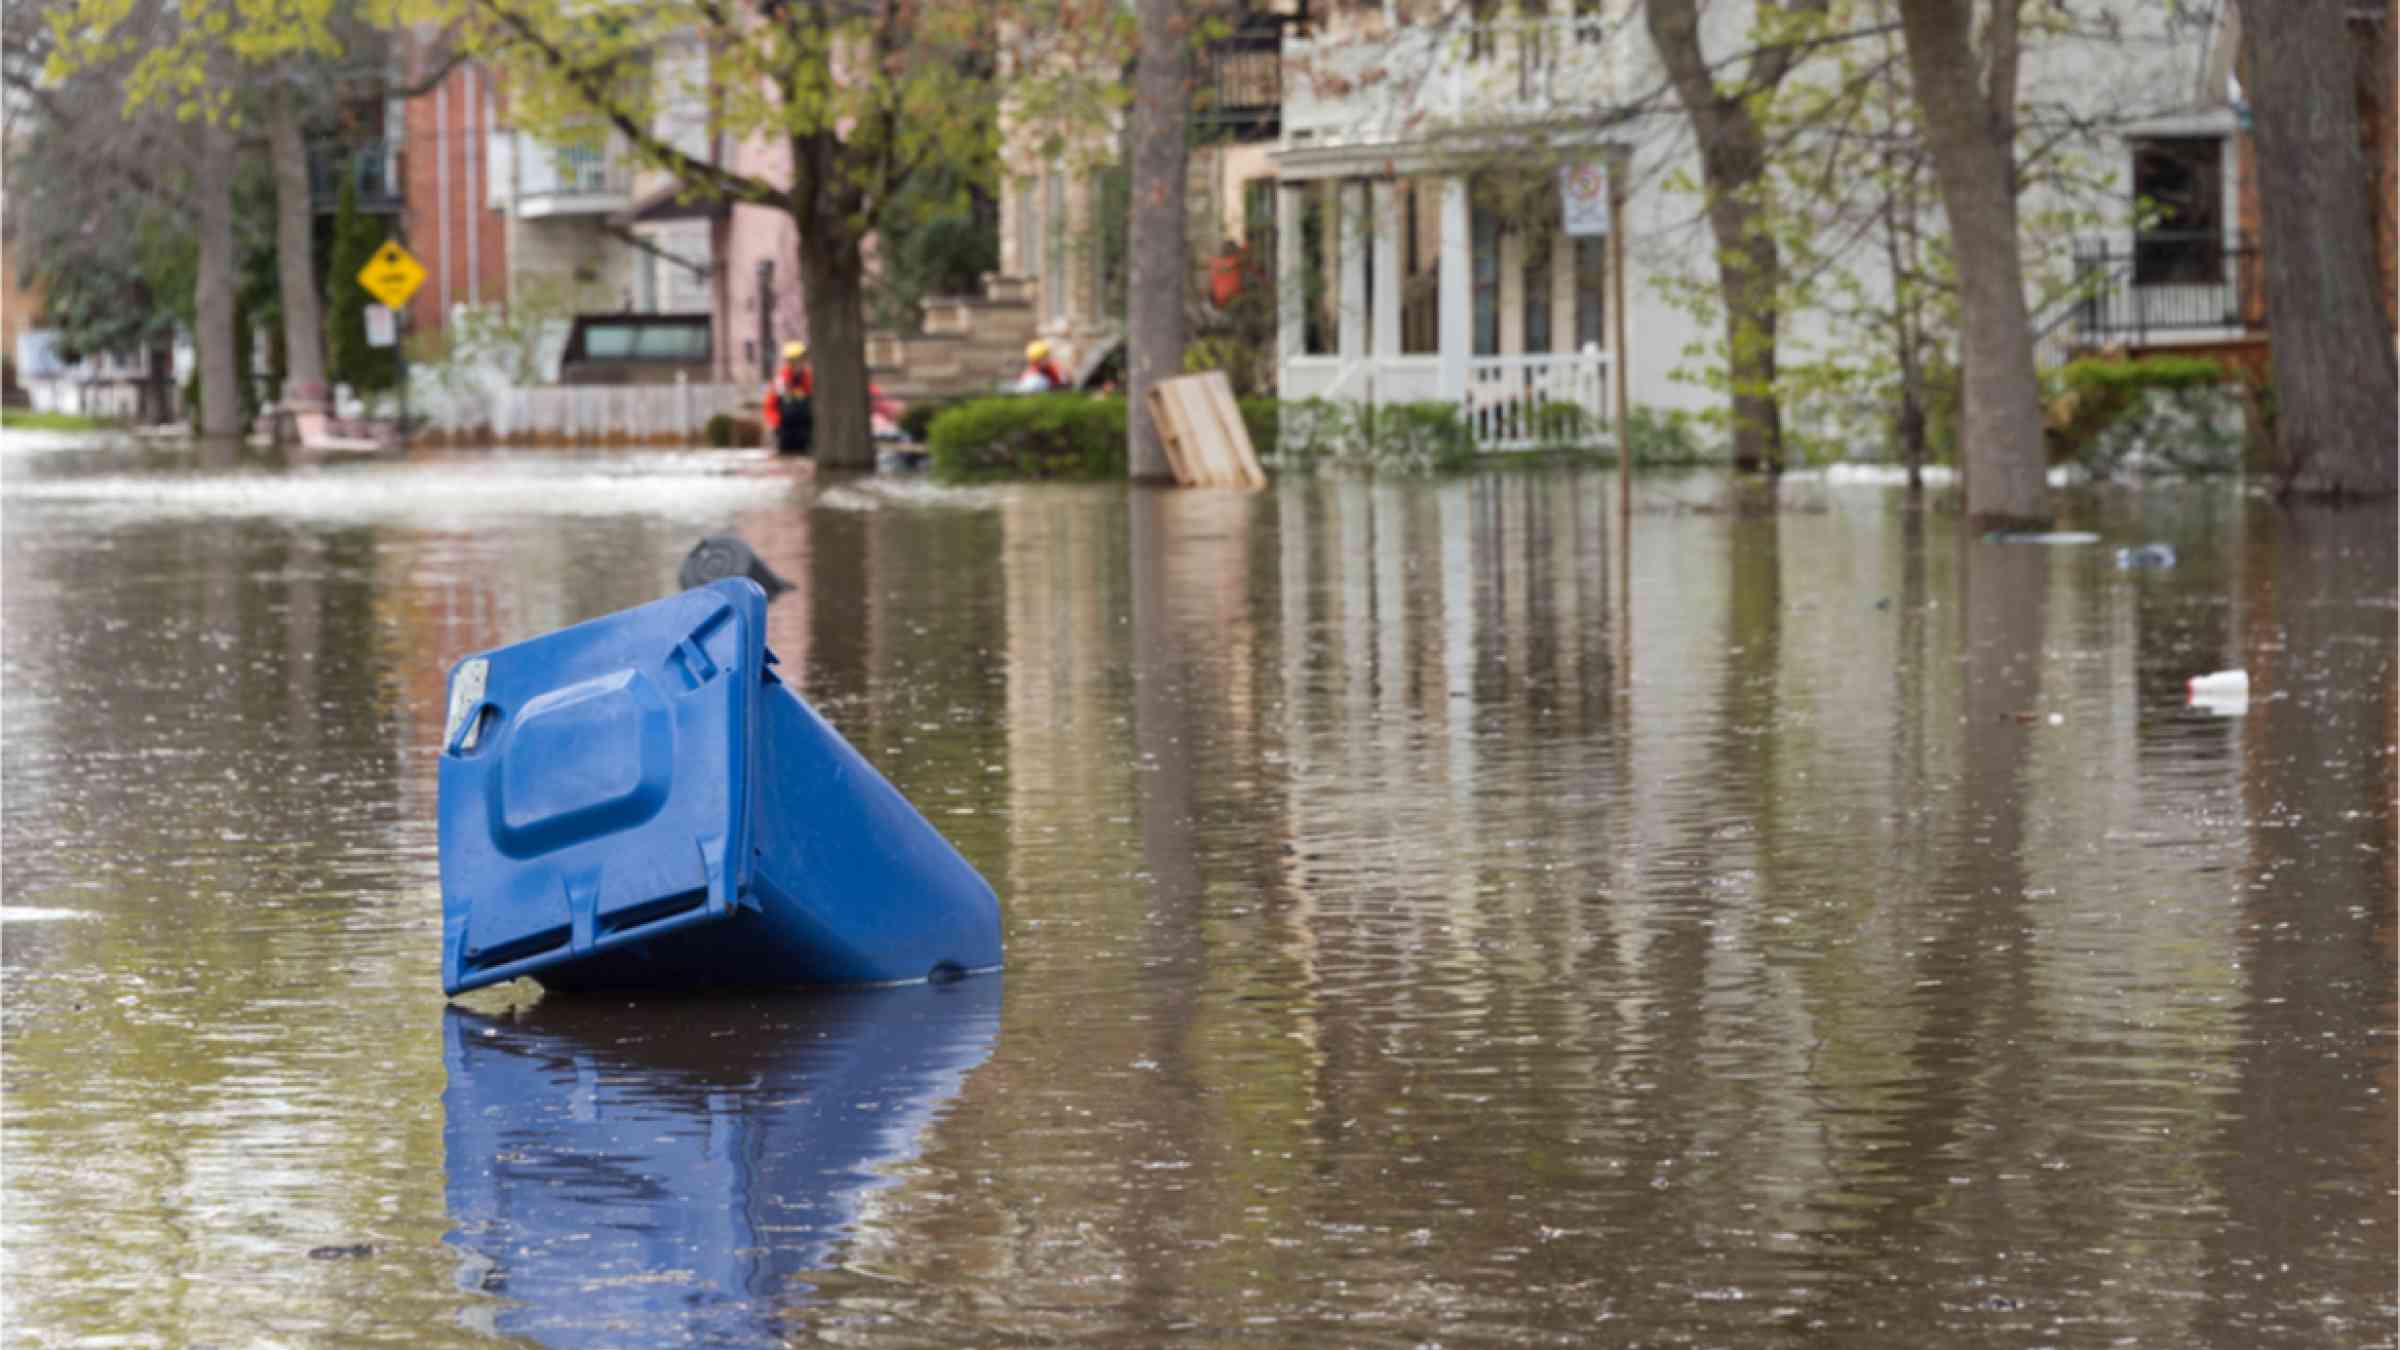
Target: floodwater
<point>1435,915</point>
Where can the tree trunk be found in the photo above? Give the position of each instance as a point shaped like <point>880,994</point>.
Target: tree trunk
<point>2335,388</point>
<point>1751,272</point>
<point>1911,423</point>
<point>1154,332</point>
<point>295,257</point>
<point>831,266</point>
<point>1969,109</point>
<point>220,389</point>
<point>1733,159</point>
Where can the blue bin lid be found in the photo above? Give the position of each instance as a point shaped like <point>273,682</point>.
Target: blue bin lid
<point>595,784</point>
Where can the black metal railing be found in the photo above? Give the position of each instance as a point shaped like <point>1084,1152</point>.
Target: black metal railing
<point>1241,85</point>
<point>370,166</point>
<point>2167,283</point>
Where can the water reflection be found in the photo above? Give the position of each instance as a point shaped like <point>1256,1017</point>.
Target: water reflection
<point>655,1174</point>
<point>1437,913</point>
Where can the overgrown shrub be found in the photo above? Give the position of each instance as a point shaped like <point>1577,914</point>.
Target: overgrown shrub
<point>1567,426</point>
<point>1663,437</point>
<point>1037,436</point>
<point>1310,428</point>
<point>728,432</point>
<point>1262,418</point>
<point>1415,437</point>
<point>1406,437</point>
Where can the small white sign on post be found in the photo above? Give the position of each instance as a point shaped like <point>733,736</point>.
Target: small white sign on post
<point>382,328</point>
<point>1583,192</point>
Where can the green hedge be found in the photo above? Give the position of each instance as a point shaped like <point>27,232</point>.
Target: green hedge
<point>1079,436</point>
<point>1030,436</point>
<point>2101,411</point>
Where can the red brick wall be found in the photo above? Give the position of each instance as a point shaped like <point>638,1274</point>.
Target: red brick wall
<point>2378,84</point>
<point>446,179</point>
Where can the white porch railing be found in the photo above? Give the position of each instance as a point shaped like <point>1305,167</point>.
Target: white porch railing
<point>576,412</point>
<point>1537,401</point>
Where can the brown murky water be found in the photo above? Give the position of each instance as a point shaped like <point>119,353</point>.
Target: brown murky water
<point>1432,919</point>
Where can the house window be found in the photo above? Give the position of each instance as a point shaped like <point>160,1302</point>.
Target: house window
<point>1539,282</point>
<point>1319,269</point>
<point>1029,229</point>
<point>1112,203</point>
<point>2179,191</point>
<point>1420,270</point>
<point>1591,292</point>
<point>1486,252</point>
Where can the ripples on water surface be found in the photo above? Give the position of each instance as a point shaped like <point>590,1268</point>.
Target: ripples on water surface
<point>1431,920</point>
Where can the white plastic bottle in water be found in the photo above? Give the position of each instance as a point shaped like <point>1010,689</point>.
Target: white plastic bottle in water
<point>2221,684</point>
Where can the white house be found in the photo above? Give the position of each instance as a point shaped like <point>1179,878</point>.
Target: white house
<point>1410,267</point>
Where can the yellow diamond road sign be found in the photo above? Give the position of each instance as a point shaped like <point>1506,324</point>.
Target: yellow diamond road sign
<point>392,275</point>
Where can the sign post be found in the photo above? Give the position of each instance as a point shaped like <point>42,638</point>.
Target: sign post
<point>391,276</point>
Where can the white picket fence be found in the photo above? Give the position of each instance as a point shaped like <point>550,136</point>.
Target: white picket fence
<point>596,412</point>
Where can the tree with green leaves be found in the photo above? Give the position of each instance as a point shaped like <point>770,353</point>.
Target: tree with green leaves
<point>1867,284</point>
<point>79,67</point>
<point>1964,73</point>
<point>1724,114</point>
<point>227,70</point>
<point>846,101</point>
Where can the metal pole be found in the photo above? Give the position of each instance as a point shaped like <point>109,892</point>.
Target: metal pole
<point>1616,267</point>
<point>400,333</point>
<point>766,318</point>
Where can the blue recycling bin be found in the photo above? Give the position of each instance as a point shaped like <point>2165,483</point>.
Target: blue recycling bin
<point>639,802</point>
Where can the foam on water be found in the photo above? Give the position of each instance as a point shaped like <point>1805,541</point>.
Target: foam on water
<point>444,490</point>
<point>27,441</point>
<point>875,494</point>
<point>37,914</point>
<point>1878,475</point>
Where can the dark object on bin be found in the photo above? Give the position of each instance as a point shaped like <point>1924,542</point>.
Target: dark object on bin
<point>725,555</point>
<point>638,802</point>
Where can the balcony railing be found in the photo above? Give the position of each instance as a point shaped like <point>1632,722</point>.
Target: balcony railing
<point>2176,284</point>
<point>1241,86</point>
<point>372,168</point>
<point>556,180</point>
<point>1431,77</point>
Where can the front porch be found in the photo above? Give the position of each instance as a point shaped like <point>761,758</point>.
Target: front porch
<point>1406,290</point>
<point>1423,250</point>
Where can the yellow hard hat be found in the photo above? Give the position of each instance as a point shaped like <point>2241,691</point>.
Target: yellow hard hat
<point>795,350</point>
<point>1036,350</point>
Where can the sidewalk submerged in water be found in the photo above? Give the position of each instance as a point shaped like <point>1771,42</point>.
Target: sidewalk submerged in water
<point>640,802</point>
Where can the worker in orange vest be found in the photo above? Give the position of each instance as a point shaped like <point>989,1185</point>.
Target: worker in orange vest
<point>788,402</point>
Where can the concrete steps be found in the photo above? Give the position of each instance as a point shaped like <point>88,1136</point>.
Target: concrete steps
<point>970,343</point>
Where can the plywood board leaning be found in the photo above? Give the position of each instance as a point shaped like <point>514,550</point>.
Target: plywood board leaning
<point>1164,417</point>
<point>1201,427</point>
